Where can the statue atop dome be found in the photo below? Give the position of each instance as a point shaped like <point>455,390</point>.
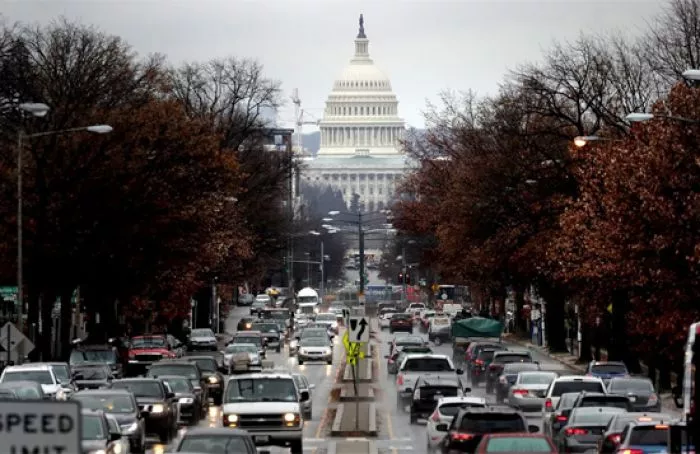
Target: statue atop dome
<point>361,32</point>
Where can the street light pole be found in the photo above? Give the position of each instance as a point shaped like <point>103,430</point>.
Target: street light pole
<point>403,271</point>
<point>321,286</point>
<point>362,253</point>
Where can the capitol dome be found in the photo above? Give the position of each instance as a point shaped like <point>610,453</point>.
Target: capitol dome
<point>361,113</point>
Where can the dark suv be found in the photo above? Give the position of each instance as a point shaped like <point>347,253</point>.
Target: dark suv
<point>588,399</point>
<point>156,403</point>
<point>429,389</point>
<point>470,424</point>
<point>500,359</point>
<point>481,361</point>
<point>187,369</point>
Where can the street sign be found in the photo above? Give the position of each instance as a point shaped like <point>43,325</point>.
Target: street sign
<point>359,329</point>
<point>353,350</point>
<point>19,344</point>
<point>47,427</point>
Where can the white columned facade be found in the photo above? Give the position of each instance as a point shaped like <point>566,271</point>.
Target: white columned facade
<point>361,134</point>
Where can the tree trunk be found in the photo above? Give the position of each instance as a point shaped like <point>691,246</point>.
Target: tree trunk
<point>65,323</point>
<point>585,354</point>
<point>555,328</point>
<point>520,322</point>
<point>48,300</point>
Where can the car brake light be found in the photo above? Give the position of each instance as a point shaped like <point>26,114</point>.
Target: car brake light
<point>399,380</point>
<point>493,366</point>
<point>562,418</point>
<point>479,362</point>
<point>461,436</point>
<point>571,431</point>
<point>630,451</point>
<point>521,392</point>
<point>614,438</point>
<point>548,403</point>
<point>661,426</point>
<point>435,417</point>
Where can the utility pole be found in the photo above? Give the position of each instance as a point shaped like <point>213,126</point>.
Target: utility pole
<point>362,253</point>
<point>403,273</point>
<point>321,286</point>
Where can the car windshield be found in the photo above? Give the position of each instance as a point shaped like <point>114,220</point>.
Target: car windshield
<point>179,385</point>
<point>266,327</point>
<point>142,388</point>
<point>42,377</point>
<point>148,342</point>
<point>239,348</point>
<point>631,385</point>
<point>605,401</point>
<point>92,356</point>
<point>422,364</point>
<point>278,315</point>
<point>206,364</point>
<point>92,428</point>
<point>529,378</point>
<point>217,444</point>
<point>61,372</point>
<point>202,333</point>
<point>609,369</point>
<point>410,340</point>
<point>514,368</point>
<point>593,415</point>
<point>402,317</point>
<point>451,409</point>
<point>325,318</point>
<point>92,373</point>
<point>483,423</point>
<point>247,340</point>
<point>24,392</point>
<point>649,435</point>
<point>577,386</point>
<point>314,333</point>
<point>110,403</point>
<point>518,444</point>
<point>181,370</point>
<point>261,390</point>
<point>7,394</point>
<point>512,358</point>
<point>314,342</point>
<point>486,354</point>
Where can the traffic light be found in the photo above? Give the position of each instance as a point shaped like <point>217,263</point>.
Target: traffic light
<point>400,278</point>
<point>408,278</point>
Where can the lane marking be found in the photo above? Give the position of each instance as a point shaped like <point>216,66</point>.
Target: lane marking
<point>324,417</point>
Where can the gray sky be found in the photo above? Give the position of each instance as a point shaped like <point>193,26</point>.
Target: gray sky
<point>424,46</point>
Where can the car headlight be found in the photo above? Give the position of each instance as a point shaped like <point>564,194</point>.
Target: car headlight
<point>186,400</point>
<point>290,417</point>
<point>213,379</point>
<point>248,325</point>
<point>302,351</point>
<point>61,394</point>
<point>130,428</point>
<point>230,420</point>
<point>158,408</point>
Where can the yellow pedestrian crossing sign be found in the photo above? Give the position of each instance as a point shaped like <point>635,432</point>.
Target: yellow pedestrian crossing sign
<point>353,350</point>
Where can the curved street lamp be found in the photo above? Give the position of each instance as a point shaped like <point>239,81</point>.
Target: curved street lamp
<point>37,110</point>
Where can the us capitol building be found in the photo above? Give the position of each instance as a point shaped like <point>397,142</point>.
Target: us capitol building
<point>360,133</point>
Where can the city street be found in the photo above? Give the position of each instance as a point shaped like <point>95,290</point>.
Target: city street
<point>397,435</point>
<point>321,375</point>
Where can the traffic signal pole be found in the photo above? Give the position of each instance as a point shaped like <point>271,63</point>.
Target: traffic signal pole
<point>362,253</point>
<point>403,275</point>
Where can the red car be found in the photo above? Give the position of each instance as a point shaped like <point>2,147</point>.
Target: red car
<point>147,349</point>
<point>401,322</point>
<point>515,442</point>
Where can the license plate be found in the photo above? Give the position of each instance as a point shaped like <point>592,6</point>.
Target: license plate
<point>262,439</point>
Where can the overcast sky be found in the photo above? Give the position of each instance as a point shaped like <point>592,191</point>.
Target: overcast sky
<point>424,46</point>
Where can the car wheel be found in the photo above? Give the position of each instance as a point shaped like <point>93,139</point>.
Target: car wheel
<point>300,361</point>
<point>309,415</point>
<point>296,447</point>
<point>329,362</point>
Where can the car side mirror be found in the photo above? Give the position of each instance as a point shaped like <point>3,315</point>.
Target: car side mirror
<point>312,387</point>
<point>169,395</point>
<point>143,413</point>
<point>113,436</point>
<point>533,429</point>
<point>459,372</point>
<point>467,389</point>
<point>441,427</point>
<point>304,396</point>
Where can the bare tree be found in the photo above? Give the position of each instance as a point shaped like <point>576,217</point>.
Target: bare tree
<point>672,44</point>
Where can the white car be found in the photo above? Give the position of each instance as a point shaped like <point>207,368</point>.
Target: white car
<point>446,409</point>
<point>385,320</point>
<point>568,384</point>
<point>39,373</point>
<point>259,403</point>
<point>233,349</point>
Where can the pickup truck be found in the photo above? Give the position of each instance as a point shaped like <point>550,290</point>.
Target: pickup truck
<point>414,366</point>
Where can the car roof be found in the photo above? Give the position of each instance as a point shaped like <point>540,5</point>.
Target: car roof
<point>141,336</point>
<point>248,333</point>
<point>272,374</point>
<point>20,384</point>
<point>137,379</point>
<point>574,378</point>
<point>198,431</point>
<point>431,380</point>
<point>603,363</point>
<point>105,392</point>
<point>503,409</point>
<point>601,409</point>
<point>584,394</point>
<point>426,355</point>
<point>29,366</point>
<point>90,412</point>
<point>514,352</point>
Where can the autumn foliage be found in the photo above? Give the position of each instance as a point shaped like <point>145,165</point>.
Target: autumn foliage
<point>612,227</point>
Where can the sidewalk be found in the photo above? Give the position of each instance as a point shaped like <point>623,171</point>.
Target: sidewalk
<point>571,361</point>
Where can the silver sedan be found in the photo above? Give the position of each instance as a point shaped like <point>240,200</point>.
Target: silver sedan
<point>528,391</point>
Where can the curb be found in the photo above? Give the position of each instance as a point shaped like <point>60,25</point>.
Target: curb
<point>371,431</point>
<point>347,394</point>
<point>338,419</point>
